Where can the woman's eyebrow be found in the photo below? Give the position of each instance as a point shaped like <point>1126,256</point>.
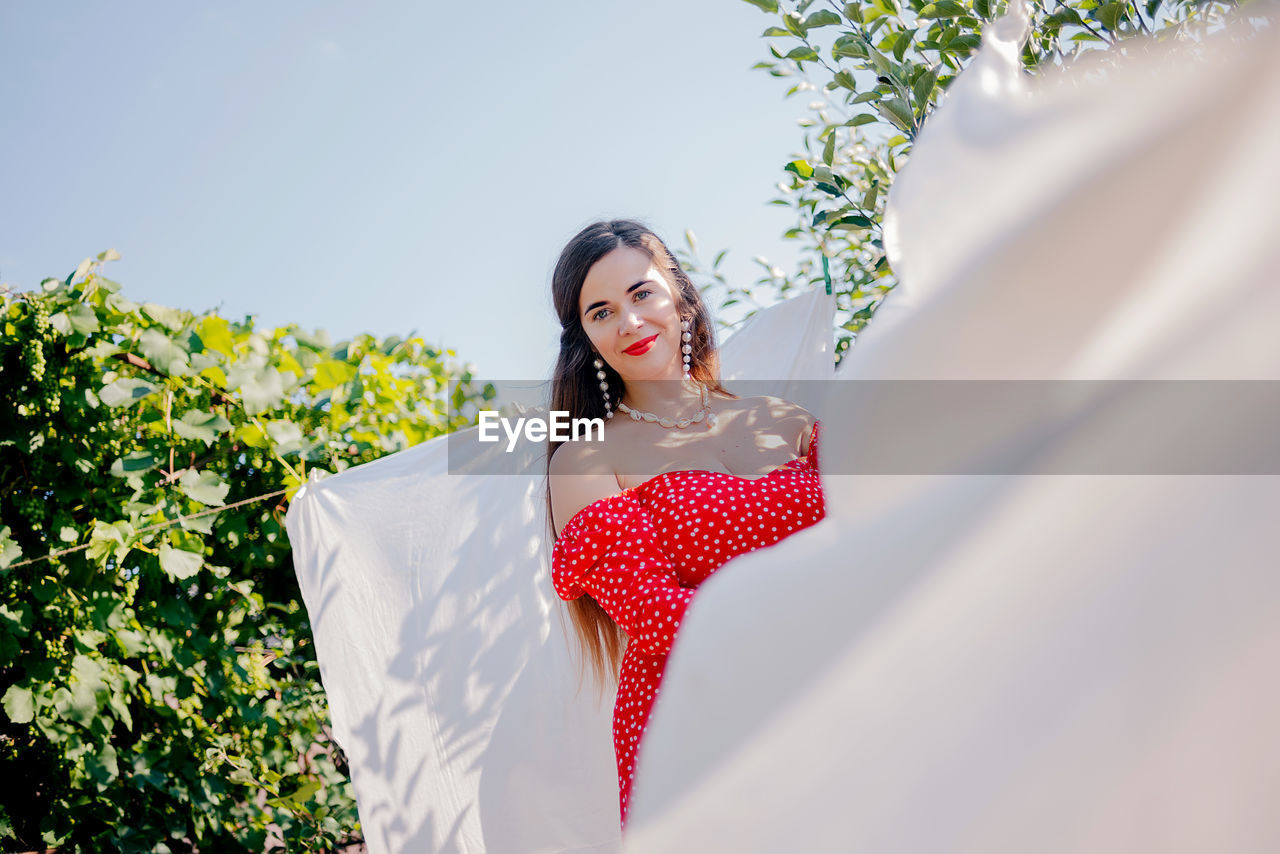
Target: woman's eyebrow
<point>601,302</point>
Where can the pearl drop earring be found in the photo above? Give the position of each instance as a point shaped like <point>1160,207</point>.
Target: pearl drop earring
<point>686,336</point>
<point>604,388</point>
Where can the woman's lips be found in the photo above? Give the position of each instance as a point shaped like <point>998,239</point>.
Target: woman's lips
<point>641,347</point>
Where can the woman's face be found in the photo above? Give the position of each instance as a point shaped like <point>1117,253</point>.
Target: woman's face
<point>629,312</point>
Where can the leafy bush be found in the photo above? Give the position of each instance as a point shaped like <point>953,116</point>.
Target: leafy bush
<point>159,685</point>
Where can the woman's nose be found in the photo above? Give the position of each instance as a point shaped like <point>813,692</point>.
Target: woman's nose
<point>631,320</point>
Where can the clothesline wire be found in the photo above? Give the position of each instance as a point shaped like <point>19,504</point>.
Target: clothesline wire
<point>168,523</point>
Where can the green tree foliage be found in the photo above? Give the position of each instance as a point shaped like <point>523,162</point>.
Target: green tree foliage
<point>875,70</point>
<point>158,681</point>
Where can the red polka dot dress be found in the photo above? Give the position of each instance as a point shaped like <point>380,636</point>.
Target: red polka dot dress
<point>642,553</point>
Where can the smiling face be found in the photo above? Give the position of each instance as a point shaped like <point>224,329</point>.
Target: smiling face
<point>630,313</point>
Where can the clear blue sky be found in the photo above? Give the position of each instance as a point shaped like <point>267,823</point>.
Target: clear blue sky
<point>383,167</point>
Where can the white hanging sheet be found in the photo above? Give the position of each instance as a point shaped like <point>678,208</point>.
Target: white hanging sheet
<point>443,650</point>
<point>1022,661</point>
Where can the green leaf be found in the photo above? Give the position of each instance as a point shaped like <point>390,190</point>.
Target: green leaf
<point>285,435</point>
<point>136,463</point>
<point>259,390</point>
<point>879,61</point>
<point>215,334</point>
<point>125,391</point>
<point>204,426</point>
<point>164,353</point>
<point>88,683</point>
<point>19,705</point>
<point>179,564</point>
<point>10,551</point>
<point>165,316</point>
<point>829,149</point>
<point>110,539</point>
<point>17,618</point>
<point>77,319</point>
<point>942,9</point>
<point>802,54</point>
<point>102,766</point>
<point>823,18</point>
<point>823,216</point>
<point>870,198</point>
<point>923,88</point>
<point>252,435</point>
<point>904,41</point>
<point>852,46</point>
<point>1109,15</point>
<point>774,32</point>
<point>853,221</point>
<point>766,5</point>
<point>861,119</point>
<point>203,524</point>
<point>298,797</point>
<point>800,168</point>
<point>205,487</point>
<point>896,111</point>
<point>964,43</point>
<point>132,643</point>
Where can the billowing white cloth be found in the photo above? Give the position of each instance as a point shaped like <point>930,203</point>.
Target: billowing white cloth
<point>1021,662</point>
<point>443,650</point>
<point>953,663</point>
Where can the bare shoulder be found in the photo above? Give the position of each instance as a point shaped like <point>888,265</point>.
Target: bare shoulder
<point>580,474</point>
<point>792,418</point>
<point>779,409</point>
<point>784,408</point>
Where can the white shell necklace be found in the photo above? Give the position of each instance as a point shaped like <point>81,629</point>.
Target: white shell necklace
<point>668,421</point>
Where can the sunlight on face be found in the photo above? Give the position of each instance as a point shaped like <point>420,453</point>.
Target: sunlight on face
<point>629,312</point>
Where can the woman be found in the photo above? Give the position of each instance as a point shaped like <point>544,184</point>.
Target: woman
<point>692,478</point>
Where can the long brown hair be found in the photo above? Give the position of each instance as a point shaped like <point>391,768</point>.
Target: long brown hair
<point>575,388</point>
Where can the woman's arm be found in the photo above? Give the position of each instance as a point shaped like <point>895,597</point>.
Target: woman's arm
<point>580,475</point>
<point>609,548</point>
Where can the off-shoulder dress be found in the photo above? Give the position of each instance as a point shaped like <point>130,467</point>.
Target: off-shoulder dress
<point>643,552</point>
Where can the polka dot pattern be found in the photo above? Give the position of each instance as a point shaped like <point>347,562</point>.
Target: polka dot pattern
<point>643,552</point>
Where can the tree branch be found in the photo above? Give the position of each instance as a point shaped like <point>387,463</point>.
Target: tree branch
<point>142,364</point>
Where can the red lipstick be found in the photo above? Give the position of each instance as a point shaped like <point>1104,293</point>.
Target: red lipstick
<point>641,347</point>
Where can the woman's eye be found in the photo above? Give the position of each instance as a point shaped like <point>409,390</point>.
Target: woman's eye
<point>601,313</point>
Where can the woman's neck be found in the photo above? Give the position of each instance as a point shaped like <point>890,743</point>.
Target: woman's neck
<point>674,398</point>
